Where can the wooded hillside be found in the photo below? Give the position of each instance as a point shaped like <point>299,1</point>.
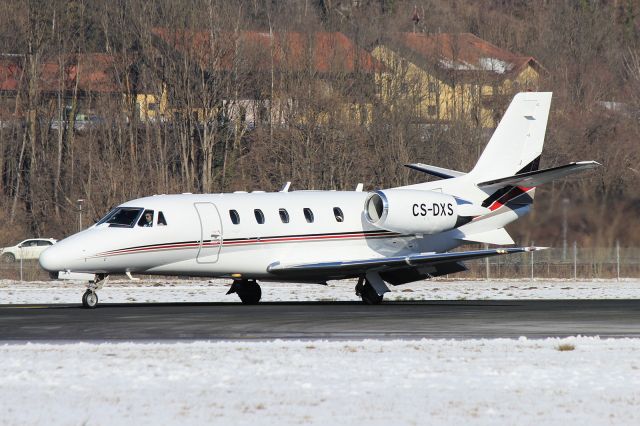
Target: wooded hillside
<point>75,74</point>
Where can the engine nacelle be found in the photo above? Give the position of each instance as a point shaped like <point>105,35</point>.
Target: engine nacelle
<point>412,211</point>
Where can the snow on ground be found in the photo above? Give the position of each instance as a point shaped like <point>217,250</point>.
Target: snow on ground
<point>486,382</point>
<point>203,290</point>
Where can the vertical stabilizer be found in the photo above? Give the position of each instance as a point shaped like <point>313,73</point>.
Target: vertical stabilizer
<point>516,144</point>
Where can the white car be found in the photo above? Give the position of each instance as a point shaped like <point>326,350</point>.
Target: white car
<point>26,250</point>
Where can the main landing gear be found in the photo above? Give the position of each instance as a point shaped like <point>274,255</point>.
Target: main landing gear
<point>248,291</point>
<point>371,289</point>
<point>90,296</point>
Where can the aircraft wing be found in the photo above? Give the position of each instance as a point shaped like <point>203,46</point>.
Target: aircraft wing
<point>538,177</point>
<point>385,264</point>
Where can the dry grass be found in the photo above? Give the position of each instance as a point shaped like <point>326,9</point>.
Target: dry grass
<point>565,347</point>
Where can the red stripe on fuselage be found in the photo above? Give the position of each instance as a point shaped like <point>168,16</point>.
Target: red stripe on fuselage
<point>249,241</point>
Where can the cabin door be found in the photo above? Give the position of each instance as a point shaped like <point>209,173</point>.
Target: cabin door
<point>210,233</point>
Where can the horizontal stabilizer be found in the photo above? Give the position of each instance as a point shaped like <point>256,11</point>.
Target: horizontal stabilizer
<point>496,236</point>
<point>538,177</point>
<point>435,171</point>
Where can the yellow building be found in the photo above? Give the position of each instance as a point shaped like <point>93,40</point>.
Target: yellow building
<point>448,77</point>
<point>151,107</point>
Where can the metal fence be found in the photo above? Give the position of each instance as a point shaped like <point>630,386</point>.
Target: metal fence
<point>573,263</point>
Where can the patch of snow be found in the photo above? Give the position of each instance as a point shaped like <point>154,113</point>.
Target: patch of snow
<point>457,65</point>
<point>494,64</point>
<point>163,290</point>
<point>500,381</point>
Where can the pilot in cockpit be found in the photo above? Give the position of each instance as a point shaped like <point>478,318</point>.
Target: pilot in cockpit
<point>148,219</point>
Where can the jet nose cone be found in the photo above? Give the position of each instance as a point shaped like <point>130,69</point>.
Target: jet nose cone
<point>50,260</point>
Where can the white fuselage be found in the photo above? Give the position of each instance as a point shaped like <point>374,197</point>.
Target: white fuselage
<point>200,238</point>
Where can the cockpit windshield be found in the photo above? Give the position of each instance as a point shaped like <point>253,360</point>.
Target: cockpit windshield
<point>121,217</point>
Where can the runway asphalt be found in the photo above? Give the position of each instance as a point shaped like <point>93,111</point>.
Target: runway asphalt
<point>334,320</point>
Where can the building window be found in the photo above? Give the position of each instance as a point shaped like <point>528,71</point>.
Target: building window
<point>284,215</point>
<point>259,216</point>
<point>308,214</point>
<point>337,212</point>
<point>235,217</point>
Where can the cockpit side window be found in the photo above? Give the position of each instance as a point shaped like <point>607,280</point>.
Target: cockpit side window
<point>122,217</point>
<point>161,219</point>
<point>146,220</point>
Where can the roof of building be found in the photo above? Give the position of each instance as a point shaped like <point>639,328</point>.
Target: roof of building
<point>323,52</point>
<point>10,71</point>
<point>462,53</point>
<point>94,72</point>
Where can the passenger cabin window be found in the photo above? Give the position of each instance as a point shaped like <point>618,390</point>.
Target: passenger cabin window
<point>235,217</point>
<point>259,216</point>
<point>284,215</point>
<point>122,217</point>
<point>146,221</point>
<point>337,212</point>
<point>308,214</point>
<point>161,219</point>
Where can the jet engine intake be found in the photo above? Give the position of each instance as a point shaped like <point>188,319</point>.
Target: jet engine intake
<point>412,211</point>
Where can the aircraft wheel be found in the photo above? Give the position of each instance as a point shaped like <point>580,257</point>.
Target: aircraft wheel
<point>369,295</point>
<point>89,299</point>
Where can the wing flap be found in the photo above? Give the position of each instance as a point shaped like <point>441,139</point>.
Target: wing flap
<point>539,177</point>
<point>356,267</point>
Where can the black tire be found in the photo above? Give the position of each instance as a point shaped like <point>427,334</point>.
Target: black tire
<point>8,258</point>
<point>369,295</point>
<point>89,299</point>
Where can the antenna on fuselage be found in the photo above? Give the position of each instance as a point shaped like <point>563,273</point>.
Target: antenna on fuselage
<point>285,187</point>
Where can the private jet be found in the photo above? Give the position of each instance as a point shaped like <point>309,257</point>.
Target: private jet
<point>383,237</point>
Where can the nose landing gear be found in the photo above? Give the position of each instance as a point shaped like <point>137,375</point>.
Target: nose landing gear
<point>249,291</point>
<point>90,296</point>
<point>89,299</point>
